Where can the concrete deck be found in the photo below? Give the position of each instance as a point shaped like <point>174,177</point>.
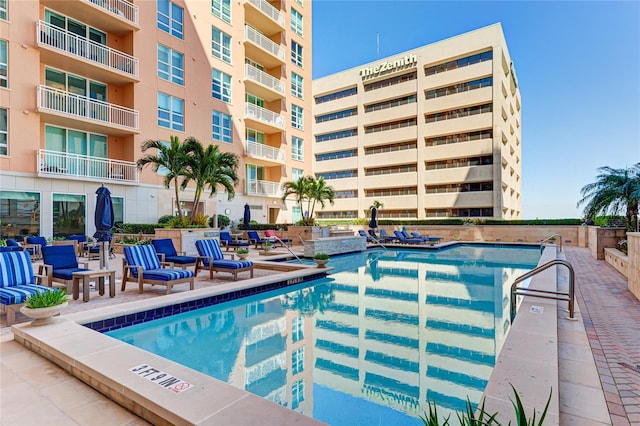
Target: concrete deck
<point>599,359</point>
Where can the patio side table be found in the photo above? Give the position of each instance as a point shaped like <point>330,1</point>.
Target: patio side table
<point>87,276</point>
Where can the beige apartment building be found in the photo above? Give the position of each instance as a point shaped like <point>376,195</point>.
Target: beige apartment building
<point>84,82</point>
<point>434,132</point>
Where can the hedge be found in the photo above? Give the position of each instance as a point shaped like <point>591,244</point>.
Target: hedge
<point>136,228</point>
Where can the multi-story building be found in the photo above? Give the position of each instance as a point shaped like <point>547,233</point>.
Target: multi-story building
<point>84,82</point>
<point>432,132</point>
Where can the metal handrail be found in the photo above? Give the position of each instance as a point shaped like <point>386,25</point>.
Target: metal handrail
<point>550,238</point>
<point>275,237</point>
<point>522,291</point>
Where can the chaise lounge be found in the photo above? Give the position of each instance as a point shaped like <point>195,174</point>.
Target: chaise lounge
<point>167,252</point>
<point>142,265</point>
<point>211,258</point>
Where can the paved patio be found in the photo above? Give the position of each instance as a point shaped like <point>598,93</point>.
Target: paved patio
<point>610,312</point>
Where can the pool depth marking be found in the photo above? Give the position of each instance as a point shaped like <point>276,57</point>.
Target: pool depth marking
<point>161,378</point>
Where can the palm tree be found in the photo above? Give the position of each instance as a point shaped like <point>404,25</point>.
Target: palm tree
<point>209,167</point>
<point>377,204</point>
<point>299,189</point>
<point>171,157</point>
<point>614,190</point>
<point>319,192</point>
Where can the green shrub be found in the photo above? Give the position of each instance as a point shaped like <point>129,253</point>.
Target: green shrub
<point>46,299</point>
<point>165,219</point>
<point>321,256</point>
<point>223,221</point>
<point>137,228</point>
<point>242,250</point>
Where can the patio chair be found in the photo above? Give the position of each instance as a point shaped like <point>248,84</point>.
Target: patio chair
<point>255,238</point>
<point>11,245</point>
<point>141,264</point>
<point>32,242</point>
<point>404,240</point>
<point>364,235</point>
<point>211,258</point>
<point>271,235</point>
<point>60,262</point>
<point>229,242</point>
<point>389,238</point>
<point>167,252</point>
<point>18,282</point>
<point>427,239</point>
<point>379,238</point>
<point>82,246</point>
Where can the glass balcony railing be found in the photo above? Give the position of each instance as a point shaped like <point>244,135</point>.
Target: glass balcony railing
<point>58,38</point>
<point>264,188</point>
<point>124,9</point>
<point>264,152</point>
<point>75,166</point>
<point>60,101</point>
<point>263,42</point>
<point>269,10</point>
<point>264,115</point>
<point>254,74</point>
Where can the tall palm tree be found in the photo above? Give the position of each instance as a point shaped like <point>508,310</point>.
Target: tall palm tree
<point>171,157</point>
<point>299,189</point>
<point>209,167</point>
<point>319,192</point>
<point>614,190</point>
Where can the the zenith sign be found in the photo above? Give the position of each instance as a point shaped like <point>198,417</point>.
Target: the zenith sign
<point>408,60</point>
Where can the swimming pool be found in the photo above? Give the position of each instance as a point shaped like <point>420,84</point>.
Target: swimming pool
<point>371,343</point>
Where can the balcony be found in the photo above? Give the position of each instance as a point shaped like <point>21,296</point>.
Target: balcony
<point>107,64</point>
<point>90,114</point>
<point>261,49</point>
<point>84,167</point>
<point>266,120</point>
<point>263,188</point>
<point>262,84</point>
<point>264,152</point>
<point>114,16</point>
<point>257,10</point>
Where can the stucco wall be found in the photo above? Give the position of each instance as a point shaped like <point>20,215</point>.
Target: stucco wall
<point>633,239</point>
<point>617,259</point>
<point>599,238</point>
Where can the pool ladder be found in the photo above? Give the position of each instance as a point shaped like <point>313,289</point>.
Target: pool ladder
<point>551,238</point>
<point>544,294</point>
<point>287,247</point>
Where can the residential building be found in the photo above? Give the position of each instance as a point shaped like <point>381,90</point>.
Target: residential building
<point>83,83</point>
<point>434,132</point>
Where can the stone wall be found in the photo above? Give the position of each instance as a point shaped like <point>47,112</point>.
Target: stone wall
<point>334,245</point>
<point>599,238</point>
<point>617,259</point>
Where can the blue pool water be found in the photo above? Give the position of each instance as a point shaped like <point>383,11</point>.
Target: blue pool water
<point>369,344</point>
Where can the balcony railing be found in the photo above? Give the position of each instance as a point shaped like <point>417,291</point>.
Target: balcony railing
<point>85,167</point>
<point>84,107</point>
<point>60,39</point>
<point>264,152</point>
<point>263,42</point>
<point>266,116</point>
<point>121,8</point>
<point>269,10</point>
<point>261,77</point>
<point>264,188</point>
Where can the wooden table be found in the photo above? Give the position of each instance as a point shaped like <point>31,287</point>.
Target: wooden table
<point>87,276</point>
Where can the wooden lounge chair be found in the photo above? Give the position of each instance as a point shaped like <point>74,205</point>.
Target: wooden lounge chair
<point>211,258</point>
<point>142,265</point>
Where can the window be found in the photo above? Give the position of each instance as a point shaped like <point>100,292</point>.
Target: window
<point>170,112</point>
<point>69,213</point>
<point>3,9</point>
<point>296,85</point>
<point>296,54</point>
<point>297,146</point>
<point>296,174</point>
<point>458,63</point>
<point>118,209</point>
<point>220,85</point>
<point>297,394</point>
<point>79,29</point>
<point>391,103</point>
<point>254,136</point>
<point>22,211</point>
<point>252,99</point>
<point>297,329</point>
<point>336,155</point>
<point>221,124</point>
<point>4,131</point>
<point>296,214</point>
<point>170,65</point>
<point>336,135</point>
<point>297,361</point>
<point>297,118</point>
<point>336,115</point>
<point>4,64</point>
<point>79,143</point>
<point>296,22</point>
<point>337,95</point>
<point>459,88</point>
<point>220,45</point>
<point>343,174</point>
<point>170,18</point>
<point>391,81</point>
<point>222,9</point>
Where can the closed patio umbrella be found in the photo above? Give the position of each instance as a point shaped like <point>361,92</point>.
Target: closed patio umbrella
<point>247,216</point>
<point>374,218</point>
<point>104,222</point>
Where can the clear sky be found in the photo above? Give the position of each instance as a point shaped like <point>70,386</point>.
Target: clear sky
<point>577,64</point>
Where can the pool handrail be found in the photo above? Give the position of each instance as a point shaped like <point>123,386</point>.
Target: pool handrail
<point>556,295</point>
<point>551,238</point>
<point>276,238</point>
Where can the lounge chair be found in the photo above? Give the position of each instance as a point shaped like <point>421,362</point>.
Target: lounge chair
<point>211,258</point>
<point>60,262</point>
<point>272,236</point>
<point>427,239</point>
<point>141,264</point>
<point>228,241</point>
<point>32,242</point>
<point>379,238</point>
<point>254,238</point>
<point>389,238</point>
<point>167,252</point>
<point>11,245</point>
<point>18,282</point>
<point>364,235</point>
<point>404,240</point>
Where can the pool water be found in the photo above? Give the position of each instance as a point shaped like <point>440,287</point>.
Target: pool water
<point>369,344</point>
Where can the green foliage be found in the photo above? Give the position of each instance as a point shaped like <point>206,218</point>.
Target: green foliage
<point>312,191</point>
<point>165,219</point>
<point>136,228</point>
<point>223,221</point>
<point>530,222</point>
<point>201,220</point>
<point>46,299</point>
<point>321,256</point>
<point>181,222</point>
<point>135,241</point>
<point>242,250</point>
<point>3,243</point>
<point>521,414</point>
<point>431,418</point>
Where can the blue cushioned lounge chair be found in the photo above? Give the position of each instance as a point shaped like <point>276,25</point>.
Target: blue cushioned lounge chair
<point>364,234</point>
<point>60,262</point>
<point>379,238</point>
<point>254,238</point>
<point>12,245</point>
<point>427,239</point>
<point>167,251</point>
<point>141,264</point>
<point>211,258</point>
<point>390,238</point>
<point>40,242</point>
<point>228,241</point>
<point>405,240</point>
<point>18,282</point>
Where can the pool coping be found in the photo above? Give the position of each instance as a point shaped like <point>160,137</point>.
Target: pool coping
<point>532,341</point>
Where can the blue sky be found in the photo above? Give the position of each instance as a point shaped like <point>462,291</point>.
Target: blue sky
<point>577,64</point>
